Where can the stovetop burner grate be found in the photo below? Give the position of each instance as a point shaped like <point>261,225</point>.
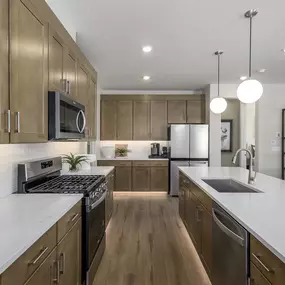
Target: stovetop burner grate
<point>68,184</point>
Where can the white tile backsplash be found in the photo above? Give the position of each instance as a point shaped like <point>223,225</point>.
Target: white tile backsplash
<point>12,154</point>
<point>137,148</point>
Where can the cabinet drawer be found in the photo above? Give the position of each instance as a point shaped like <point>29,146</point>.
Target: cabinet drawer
<point>158,162</point>
<point>202,196</point>
<point>105,163</point>
<point>256,276</point>
<point>141,163</point>
<point>27,263</point>
<point>270,265</point>
<point>122,163</point>
<point>68,220</point>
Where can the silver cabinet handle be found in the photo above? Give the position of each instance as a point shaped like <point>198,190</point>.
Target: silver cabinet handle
<point>67,87</point>
<point>18,118</point>
<point>62,263</point>
<point>57,273</point>
<point>39,256</point>
<point>9,121</point>
<point>74,218</point>
<point>257,258</point>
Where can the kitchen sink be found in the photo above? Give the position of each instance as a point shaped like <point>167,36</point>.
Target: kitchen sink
<point>229,186</point>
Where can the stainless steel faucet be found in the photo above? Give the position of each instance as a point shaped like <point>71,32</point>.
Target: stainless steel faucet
<point>251,177</point>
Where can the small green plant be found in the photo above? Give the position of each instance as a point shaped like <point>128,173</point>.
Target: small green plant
<point>74,160</point>
<point>121,152</point>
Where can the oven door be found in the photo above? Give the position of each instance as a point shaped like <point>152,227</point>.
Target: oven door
<point>95,227</point>
<point>66,117</point>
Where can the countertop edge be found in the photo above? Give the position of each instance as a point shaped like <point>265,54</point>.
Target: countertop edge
<point>250,230</point>
<point>18,254</point>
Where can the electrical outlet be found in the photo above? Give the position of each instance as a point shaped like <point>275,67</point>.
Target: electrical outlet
<point>278,135</point>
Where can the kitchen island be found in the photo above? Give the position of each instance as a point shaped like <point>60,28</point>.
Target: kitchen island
<point>259,213</point>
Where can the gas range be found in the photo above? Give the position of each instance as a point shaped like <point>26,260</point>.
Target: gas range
<point>44,176</point>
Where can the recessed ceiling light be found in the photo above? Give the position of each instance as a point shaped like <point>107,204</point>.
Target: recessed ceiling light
<point>146,77</point>
<point>147,49</point>
<point>243,78</point>
<point>262,70</point>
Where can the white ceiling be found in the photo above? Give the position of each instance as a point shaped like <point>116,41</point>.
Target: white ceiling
<point>184,35</point>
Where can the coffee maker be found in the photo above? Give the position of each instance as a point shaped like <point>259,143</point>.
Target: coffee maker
<point>155,149</point>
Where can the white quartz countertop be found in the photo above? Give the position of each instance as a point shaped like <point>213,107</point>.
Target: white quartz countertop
<point>131,158</point>
<point>24,218</point>
<point>95,170</point>
<point>261,214</point>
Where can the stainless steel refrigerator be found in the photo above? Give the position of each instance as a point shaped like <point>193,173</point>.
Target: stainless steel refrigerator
<point>189,146</point>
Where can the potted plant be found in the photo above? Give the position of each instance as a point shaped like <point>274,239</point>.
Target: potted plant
<point>121,152</point>
<point>74,160</point>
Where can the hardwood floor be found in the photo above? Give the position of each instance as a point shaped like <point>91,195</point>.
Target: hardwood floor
<point>147,244</point>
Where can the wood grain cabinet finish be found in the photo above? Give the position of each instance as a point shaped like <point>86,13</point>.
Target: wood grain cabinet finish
<point>109,198</point>
<point>271,267</point>
<point>90,111</point>
<point>141,178</point>
<point>108,120</point>
<point>176,112</point>
<point>69,256</point>
<point>195,111</point>
<point>159,179</point>
<point>29,73</point>
<point>124,120</point>
<point>256,277</point>
<point>123,178</point>
<point>141,124</point>
<point>70,74</point>
<point>26,264</point>
<point>47,273</point>
<point>158,120</point>
<point>4,71</point>
<point>56,60</point>
<point>82,85</point>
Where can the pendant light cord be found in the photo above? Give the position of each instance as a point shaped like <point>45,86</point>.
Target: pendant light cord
<point>218,74</point>
<point>250,45</point>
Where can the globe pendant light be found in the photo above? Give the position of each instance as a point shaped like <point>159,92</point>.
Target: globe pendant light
<point>218,105</point>
<point>250,90</point>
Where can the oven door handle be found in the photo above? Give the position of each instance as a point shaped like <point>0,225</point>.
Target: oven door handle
<point>96,203</point>
<point>84,121</point>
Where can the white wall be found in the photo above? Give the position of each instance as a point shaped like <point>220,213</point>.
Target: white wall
<point>12,154</point>
<point>268,122</point>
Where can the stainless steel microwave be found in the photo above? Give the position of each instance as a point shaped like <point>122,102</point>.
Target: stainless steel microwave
<point>66,118</point>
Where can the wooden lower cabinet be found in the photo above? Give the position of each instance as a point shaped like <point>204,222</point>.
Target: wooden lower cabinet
<point>141,178</point>
<point>123,178</point>
<point>109,198</point>
<point>256,277</point>
<point>69,257</point>
<point>47,273</point>
<point>159,179</point>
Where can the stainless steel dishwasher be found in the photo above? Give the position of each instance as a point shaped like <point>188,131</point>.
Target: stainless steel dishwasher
<point>230,250</point>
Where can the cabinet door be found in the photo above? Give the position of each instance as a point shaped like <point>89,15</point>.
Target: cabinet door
<point>29,73</point>
<point>123,178</point>
<point>125,120</point>
<point>158,119</point>
<point>206,244</point>
<point>141,125</point>
<point>176,111</point>
<point>69,67</point>
<point>69,256</point>
<point>47,273</point>
<point>56,55</point>
<point>141,178</point>
<point>159,179</point>
<point>197,224</point>
<point>108,120</point>
<point>82,85</point>
<point>181,202</point>
<point>91,110</point>
<point>195,112</point>
<point>4,71</point>
<point>256,277</point>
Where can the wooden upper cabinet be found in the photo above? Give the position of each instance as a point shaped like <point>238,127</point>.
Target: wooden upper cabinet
<point>196,111</point>
<point>56,58</point>
<point>108,120</point>
<point>69,257</point>
<point>176,112</point>
<point>141,125</point>
<point>47,273</point>
<point>158,119</point>
<point>69,72</point>
<point>29,73</point>
<point>91,110</point>
<point>141,178</point>
<point>82,85</point>
<point>4,71</point>
<point>124,120</point>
